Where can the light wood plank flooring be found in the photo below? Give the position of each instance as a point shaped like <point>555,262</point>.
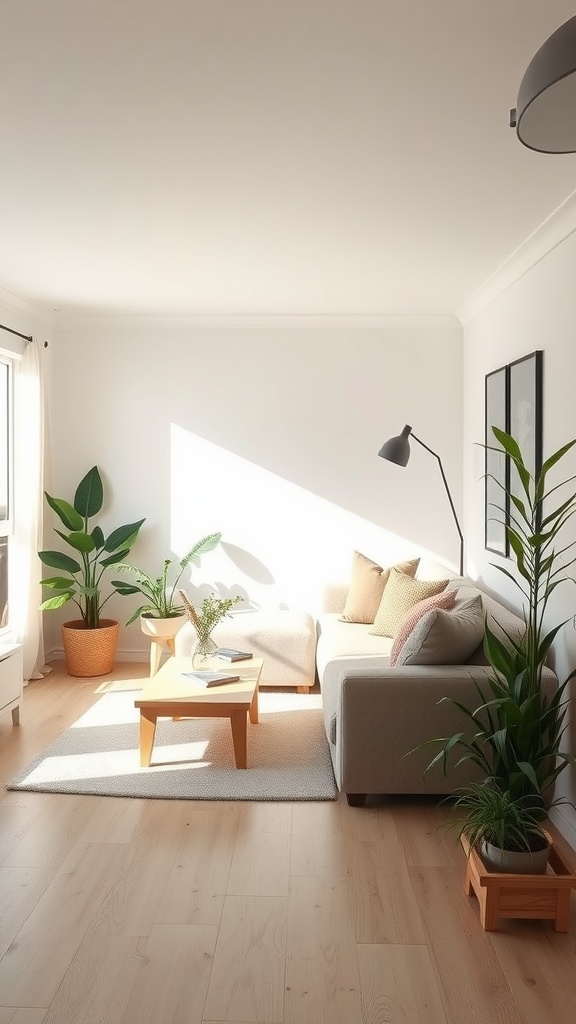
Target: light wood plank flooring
<point>151,912</point>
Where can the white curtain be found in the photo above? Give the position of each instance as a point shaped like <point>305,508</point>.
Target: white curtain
<point>25,593</point>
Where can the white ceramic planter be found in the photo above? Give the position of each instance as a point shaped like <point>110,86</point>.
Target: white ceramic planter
<point>513,863</point>
<point>160,629</point>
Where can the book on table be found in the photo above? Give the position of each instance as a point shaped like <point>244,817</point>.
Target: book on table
<point>207,678</point>
<point>231,654</point>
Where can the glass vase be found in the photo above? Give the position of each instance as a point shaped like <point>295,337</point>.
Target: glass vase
<point>203,652</point>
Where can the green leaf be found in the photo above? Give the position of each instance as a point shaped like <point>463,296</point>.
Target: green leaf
<point>58,560</point>
<point>56,602</point>
<point>112,560</point>
<point>56,583</point>
<point>125,588</point>
<point>89,496</point>
<point>97,537</point>
<point>550,462</point>
<point>124,536</point>
<point>68,515</point>
<point>81,542</point>
<point>201,548</point>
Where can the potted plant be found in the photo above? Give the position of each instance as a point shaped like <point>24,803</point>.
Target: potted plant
<point>516,729</point>
<point>507,832</point>
<point>212,610</point>
<point>90,641</point>
<point>162,614</point>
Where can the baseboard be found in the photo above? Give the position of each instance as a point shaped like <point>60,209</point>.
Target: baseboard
<point>564,818</point>
<point>57,654</point>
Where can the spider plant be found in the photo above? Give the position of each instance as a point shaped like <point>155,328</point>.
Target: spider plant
<point>485,814</point>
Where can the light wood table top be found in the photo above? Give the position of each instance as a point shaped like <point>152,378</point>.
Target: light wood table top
<point>172,694</point>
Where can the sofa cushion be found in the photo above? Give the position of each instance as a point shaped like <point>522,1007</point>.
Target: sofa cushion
<point>401,593</point>
<point>446,600</point>
<point>367,583</point>
<point>445,637</point>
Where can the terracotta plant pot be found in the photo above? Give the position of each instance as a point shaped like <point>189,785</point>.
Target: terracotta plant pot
<point>89,652</point>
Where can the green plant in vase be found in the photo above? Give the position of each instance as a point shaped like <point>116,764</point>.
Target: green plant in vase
<point>210,613</point>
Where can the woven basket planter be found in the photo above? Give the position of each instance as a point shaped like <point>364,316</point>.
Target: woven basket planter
<point>89,652</point>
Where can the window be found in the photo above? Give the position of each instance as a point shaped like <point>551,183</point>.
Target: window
<point>6,502</point>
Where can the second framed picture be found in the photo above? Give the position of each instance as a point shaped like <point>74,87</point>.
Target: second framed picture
<point>513,402</point>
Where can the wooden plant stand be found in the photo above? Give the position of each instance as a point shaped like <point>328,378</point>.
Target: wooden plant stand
<point>543,897</point>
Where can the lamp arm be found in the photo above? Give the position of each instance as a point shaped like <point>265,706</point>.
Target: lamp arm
<point>460,534</point>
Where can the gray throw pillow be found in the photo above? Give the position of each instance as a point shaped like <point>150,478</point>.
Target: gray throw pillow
<point>445,637</point>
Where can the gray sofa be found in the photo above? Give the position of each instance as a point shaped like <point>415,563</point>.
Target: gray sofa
<point>376,714</point>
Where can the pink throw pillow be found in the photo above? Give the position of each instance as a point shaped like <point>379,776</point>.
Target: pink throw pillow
<point>445,600</point>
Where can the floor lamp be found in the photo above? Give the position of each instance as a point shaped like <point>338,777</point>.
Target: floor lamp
<point>397,450</point>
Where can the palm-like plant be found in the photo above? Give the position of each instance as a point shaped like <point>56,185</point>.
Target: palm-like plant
<point>515,735</point>
<point>160,595</point>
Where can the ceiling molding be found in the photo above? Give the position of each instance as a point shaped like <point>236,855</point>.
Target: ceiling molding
<point>543,240</point>
<point>8,300</point>
<point>69,322</point>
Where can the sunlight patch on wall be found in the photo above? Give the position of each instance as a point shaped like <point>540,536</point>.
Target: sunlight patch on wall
<point>280,542</point>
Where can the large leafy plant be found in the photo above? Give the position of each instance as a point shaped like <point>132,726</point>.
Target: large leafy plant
<point>80,576</point>
<point>159,593</point>
<point>515,734</point>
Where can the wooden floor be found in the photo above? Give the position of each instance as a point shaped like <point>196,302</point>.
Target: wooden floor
<point>151,912</point>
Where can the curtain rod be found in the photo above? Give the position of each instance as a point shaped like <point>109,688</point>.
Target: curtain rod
<point>27,337</point>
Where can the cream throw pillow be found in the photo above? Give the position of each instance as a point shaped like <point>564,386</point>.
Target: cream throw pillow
<point>366,586</point>
<point>445,637</point>
<point>401,593</point>
<point>445,600</point>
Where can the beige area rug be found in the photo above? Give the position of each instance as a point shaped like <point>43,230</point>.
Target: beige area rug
<point>288,755</point>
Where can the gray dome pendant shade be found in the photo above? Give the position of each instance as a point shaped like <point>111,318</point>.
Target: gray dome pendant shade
<point>545,112</point>
<point>397,450</point>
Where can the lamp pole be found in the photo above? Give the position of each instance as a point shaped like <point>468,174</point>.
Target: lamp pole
<point>460,534</point>
<point>397,450</point>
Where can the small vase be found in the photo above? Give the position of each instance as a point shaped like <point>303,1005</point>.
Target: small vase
<point>203,652</point>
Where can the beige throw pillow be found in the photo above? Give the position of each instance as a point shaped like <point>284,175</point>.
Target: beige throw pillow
<point>445,637</point>
<point>445,600</point>
<point>366,586</point>
<point>401,593</point>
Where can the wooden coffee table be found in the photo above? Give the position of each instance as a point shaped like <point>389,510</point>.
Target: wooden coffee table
<point>169,694</point>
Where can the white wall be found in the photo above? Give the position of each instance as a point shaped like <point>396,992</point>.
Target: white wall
<point>270,435</point>
<point>538,311</point>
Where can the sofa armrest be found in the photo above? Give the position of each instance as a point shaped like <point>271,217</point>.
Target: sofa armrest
<point>376,715</point>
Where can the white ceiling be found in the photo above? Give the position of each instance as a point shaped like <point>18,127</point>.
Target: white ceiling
<point>253,157</point>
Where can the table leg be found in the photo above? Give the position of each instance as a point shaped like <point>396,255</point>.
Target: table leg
<point>239,723</point>
<point>254,708</point>
<point>155,656</point>
<point>147,733</point>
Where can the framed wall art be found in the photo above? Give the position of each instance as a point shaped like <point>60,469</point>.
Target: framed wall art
<point>525,410</point>
<point>496,512</point>
<point>513,402</point>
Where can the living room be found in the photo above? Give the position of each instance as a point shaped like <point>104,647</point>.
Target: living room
<point>241,375</point>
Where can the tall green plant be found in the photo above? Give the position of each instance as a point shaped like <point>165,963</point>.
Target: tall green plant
<point>81,578</point>
<point>515,735</point>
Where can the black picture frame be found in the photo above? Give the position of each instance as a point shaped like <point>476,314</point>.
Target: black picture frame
<point>496,468</point>
<point>525,412</point>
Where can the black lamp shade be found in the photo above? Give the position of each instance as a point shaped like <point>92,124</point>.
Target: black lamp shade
<point>545,115</point>
<point>397,449</point>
